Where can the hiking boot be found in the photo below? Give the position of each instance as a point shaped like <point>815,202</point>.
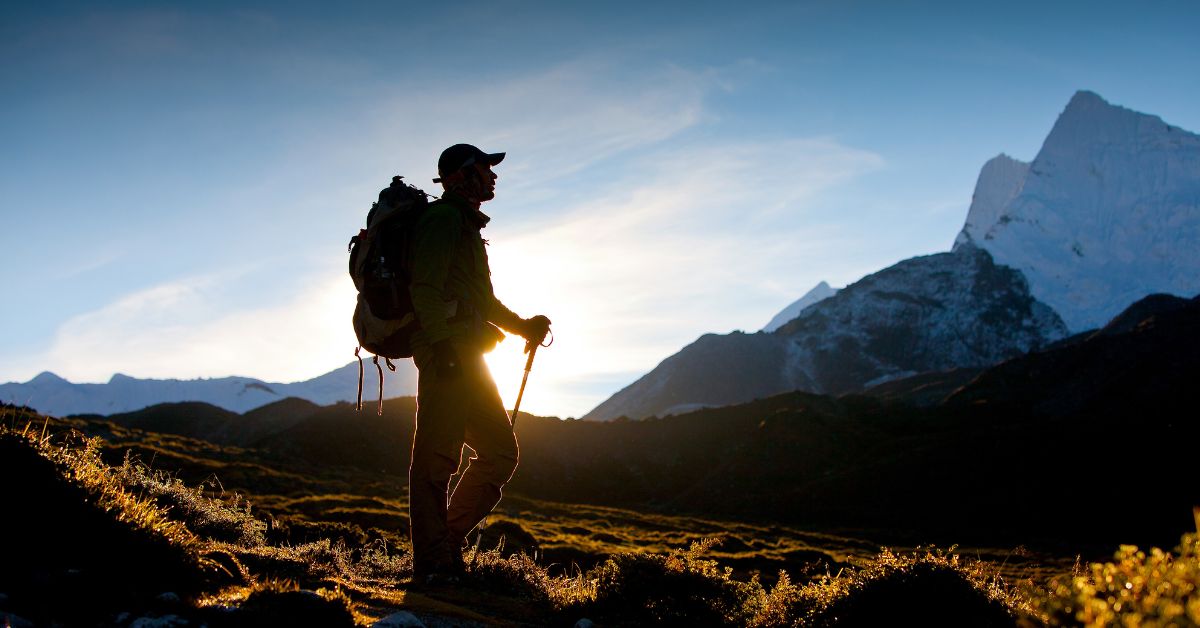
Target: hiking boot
<point>449,571</point>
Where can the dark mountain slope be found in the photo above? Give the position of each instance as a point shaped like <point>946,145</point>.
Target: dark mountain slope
<point>193,419</point>
<point>265,420</point>
<point>1112,373</point>
<point>338,435</point>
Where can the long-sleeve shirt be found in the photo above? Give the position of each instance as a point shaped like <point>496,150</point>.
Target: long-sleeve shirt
<point>450,264</point>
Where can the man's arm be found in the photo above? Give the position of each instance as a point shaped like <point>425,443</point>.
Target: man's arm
<point>499,314</point>
<point>532,329</point>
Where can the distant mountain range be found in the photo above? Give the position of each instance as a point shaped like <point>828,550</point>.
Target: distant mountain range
<point>51,394</point>
<point>1107,213</point>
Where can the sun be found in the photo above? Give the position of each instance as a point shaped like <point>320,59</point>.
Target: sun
<point>507,364</point>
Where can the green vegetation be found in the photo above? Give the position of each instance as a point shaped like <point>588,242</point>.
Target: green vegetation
<point>111,533</point>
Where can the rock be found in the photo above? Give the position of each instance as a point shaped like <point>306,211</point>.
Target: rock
<point>168,597</point>
<point>584,623</point>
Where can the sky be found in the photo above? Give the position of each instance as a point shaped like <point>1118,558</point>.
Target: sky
<point>179,180</point>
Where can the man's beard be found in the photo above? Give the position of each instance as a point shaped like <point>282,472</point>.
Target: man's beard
<point>478,189</point>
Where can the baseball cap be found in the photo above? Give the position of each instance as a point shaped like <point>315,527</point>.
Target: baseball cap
<point>460,156</point>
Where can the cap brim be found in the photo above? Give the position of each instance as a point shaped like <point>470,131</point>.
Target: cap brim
<point>494,158</point>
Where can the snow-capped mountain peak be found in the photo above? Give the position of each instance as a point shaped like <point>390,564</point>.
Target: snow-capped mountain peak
<point>818,293</point>
<point>999,182</point>
<point>1106,214</point>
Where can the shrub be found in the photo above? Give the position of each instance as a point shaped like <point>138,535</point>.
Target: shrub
<point>679,586</point>
<point>927,587</point>
<point>1135,589</point>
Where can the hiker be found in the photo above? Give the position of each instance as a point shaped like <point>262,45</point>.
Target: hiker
<point>457,401</point>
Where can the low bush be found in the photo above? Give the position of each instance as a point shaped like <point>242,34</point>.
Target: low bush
<point>1136,588</point>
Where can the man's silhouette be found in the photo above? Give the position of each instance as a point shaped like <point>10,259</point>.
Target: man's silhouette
<point>457,400</point>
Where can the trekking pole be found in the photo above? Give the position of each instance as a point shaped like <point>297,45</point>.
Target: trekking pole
<point>531,348</point>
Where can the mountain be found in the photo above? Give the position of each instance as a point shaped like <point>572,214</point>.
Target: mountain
<point>928,313</point>
<point>819,292</point>
<point>1107,213</point>
<point>51,394</point>
<point>1001,453</point>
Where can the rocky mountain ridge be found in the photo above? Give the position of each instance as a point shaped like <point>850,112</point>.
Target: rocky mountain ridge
<point>924,314</point>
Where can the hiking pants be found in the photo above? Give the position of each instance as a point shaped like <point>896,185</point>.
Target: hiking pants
<point>450,412</point>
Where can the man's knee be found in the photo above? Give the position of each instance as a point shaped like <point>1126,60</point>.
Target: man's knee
<point>497,465</point>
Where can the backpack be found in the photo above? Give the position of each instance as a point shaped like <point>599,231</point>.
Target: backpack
<point>383,319</point>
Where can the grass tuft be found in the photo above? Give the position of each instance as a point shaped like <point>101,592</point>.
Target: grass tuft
<point>224,518</point>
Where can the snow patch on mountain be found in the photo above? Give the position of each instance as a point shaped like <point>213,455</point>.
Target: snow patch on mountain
<point>819,293</point>
<point>1107,213</point>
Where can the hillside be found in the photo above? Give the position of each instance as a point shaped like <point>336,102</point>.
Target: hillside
<point>982,460</point>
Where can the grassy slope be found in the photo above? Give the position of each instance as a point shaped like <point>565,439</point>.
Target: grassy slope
<point>212,548</point>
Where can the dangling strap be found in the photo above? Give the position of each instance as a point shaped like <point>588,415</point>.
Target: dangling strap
<point>380,369</point>
<point>391,367</point>
<point>360,378</point>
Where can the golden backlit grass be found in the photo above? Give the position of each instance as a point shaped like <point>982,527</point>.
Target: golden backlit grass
<point>1137,588</point>
<point>80,462</point>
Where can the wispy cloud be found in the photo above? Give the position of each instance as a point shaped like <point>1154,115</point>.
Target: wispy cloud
<point>553,123</point>
<point>199,327</point>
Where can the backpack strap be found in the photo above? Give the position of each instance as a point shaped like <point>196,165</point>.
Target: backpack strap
<point>358,407</point>
<point>380,369</point>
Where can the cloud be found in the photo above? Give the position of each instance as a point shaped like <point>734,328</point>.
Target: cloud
<point>199,326</point>
<point>553,122</point>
